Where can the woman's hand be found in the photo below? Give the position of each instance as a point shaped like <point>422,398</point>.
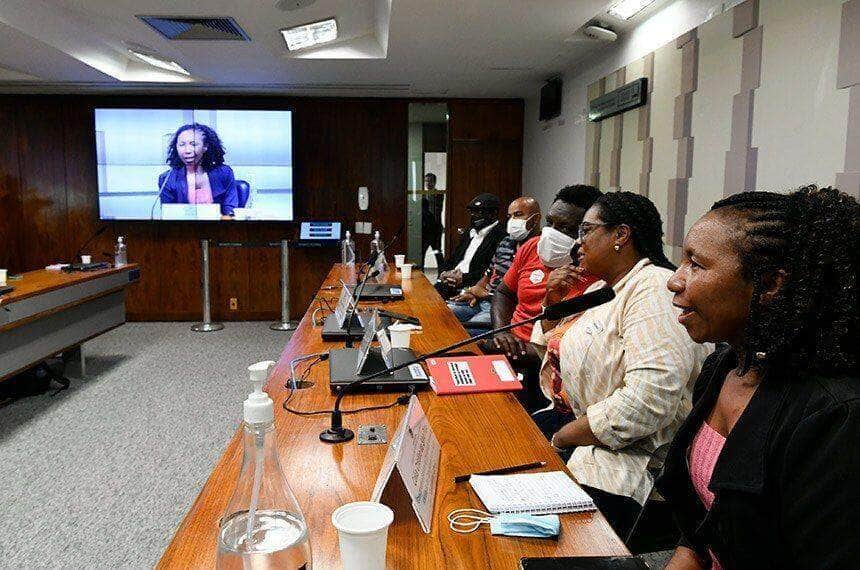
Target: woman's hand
<point>576,433</point>
<point>685,559</point>
<point>560,282</point>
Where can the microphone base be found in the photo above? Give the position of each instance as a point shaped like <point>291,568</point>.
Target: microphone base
<point>339,435</point>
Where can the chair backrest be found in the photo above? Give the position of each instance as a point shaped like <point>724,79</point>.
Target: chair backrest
<point>243,191</point>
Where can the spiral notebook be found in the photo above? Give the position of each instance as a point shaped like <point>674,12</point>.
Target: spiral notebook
<point>534,493</point>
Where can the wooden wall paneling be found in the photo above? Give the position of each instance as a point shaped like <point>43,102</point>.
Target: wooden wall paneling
<point>178,264</point>
<point>49,176</point>
<point>43,182</point>
<point>229,271</point>
<point>10,191</point>
<point>82,210</point>
<point>144,301</point>
<point>264,274</point>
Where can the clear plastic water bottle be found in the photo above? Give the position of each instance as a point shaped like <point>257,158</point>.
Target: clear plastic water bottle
<point>347,250</point>
<point>262,526</point>
<point>378,248</point>
<point>120,253</point>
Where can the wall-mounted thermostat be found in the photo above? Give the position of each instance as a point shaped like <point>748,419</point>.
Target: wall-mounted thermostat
<point>363,198</point>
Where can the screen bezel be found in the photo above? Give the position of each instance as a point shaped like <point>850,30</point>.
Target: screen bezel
<point>189,103</point>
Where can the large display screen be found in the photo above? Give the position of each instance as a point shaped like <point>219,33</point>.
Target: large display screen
<point>194,164</point>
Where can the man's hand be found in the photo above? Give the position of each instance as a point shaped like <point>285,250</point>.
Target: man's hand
<point>513,347</point>
<point>479,291</point>
<point>452,278</point>
<point>561,281</point>
<point>466,297</point>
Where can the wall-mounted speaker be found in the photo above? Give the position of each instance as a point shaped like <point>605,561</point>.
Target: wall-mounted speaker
<point>550,99</point>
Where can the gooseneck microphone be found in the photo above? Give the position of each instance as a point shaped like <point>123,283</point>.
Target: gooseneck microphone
<point>99,232</point>
<point>336,433</point>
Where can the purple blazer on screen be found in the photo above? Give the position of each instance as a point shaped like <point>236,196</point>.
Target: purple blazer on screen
<point>174,190</point>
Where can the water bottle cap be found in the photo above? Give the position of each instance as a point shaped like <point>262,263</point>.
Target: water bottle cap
<point>259,407</point>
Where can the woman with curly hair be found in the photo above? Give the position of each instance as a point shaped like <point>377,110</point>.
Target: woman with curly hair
<point>622,374</point>
<point>764,472</point>
<point>197,172</point>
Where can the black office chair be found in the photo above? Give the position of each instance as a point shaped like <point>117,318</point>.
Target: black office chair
<point>243,191</point>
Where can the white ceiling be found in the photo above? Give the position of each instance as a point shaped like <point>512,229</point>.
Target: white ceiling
<point>428,48</point>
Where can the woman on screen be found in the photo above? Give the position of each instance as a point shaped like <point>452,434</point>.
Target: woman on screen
<point>197,172</point>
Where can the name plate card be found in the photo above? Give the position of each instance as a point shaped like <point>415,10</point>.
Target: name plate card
<point>414,453</point>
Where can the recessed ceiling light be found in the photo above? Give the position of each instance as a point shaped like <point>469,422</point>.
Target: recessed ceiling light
<point>626,9</point>
<point>307,35</point>
<point>159,62</point>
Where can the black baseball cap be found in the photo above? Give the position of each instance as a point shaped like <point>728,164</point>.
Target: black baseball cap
<point>484,201</point>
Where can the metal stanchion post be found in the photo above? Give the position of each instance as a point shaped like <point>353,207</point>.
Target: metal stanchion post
<point>284,324</point>
<point>207,325</point>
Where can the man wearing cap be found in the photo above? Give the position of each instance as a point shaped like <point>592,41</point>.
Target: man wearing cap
<point>473,254</point>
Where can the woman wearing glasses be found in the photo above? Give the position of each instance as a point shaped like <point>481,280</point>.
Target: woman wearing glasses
<point>620,375</point>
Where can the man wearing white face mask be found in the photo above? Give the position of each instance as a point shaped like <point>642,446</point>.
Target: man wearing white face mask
<point>521,292</point>
<point>472,305</point>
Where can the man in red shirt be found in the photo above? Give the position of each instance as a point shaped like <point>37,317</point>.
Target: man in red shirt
<point>521,292</point>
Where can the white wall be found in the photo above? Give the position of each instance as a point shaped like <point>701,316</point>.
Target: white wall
<point>554,151</point>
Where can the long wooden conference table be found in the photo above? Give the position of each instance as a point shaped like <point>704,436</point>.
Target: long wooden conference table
<point>476,432</point>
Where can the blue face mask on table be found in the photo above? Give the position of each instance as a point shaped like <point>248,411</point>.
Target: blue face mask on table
<point>525,525</point>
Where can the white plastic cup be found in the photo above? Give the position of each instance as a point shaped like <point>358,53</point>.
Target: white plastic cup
<point>86,259</point>
<point>400,335</point>
<point>3,276</point>
<point>406,271</point>
<point>399,260</point>
<point>362,529</point>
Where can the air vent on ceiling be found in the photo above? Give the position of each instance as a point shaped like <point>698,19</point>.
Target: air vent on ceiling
<point>196,28</point>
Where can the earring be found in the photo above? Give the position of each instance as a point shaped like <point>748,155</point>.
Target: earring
<point>616,247</point>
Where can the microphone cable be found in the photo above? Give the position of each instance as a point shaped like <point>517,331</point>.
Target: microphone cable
<point>315,359</point>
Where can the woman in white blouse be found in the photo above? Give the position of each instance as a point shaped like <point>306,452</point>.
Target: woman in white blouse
<point>620,376</point>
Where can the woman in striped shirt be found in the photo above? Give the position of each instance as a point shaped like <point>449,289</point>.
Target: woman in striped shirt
<point>624,370</point>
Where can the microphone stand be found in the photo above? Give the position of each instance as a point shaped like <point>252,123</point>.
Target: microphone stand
<point>336,433</point>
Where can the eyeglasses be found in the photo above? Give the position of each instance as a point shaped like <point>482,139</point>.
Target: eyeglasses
<point>584,228</point>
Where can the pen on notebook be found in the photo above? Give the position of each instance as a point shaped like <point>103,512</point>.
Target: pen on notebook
<point>502,471</point>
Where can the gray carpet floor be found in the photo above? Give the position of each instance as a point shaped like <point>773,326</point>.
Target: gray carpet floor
<point>100,475</point>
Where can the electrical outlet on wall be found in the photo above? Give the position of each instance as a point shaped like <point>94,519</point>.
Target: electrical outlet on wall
<point>234,304</point>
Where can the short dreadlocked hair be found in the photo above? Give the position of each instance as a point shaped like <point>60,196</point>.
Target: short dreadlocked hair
<point>811,235</point>
<point>641,215</point>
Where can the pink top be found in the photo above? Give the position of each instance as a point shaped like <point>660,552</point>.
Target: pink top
<point>704,453</point>
<point>202,195</point>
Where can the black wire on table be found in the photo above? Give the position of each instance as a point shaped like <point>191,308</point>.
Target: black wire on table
<point>401,400</point>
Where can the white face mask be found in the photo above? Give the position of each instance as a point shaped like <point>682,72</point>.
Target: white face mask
<point>553,247</point>
<point>518,228</point>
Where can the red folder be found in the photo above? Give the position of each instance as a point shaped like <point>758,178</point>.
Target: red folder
<point>472,374</point>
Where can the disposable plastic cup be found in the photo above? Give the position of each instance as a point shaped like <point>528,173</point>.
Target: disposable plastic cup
<point>2,276</point>
<point>86,259</point>
<point>362,530</point>
<point>400,335</point>
<point>406,271</point>
<point>399,260</point>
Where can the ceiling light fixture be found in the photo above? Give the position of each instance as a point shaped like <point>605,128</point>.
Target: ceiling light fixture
<point>626,9</point>
<point>159,62</point>
<point>308,35</point>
